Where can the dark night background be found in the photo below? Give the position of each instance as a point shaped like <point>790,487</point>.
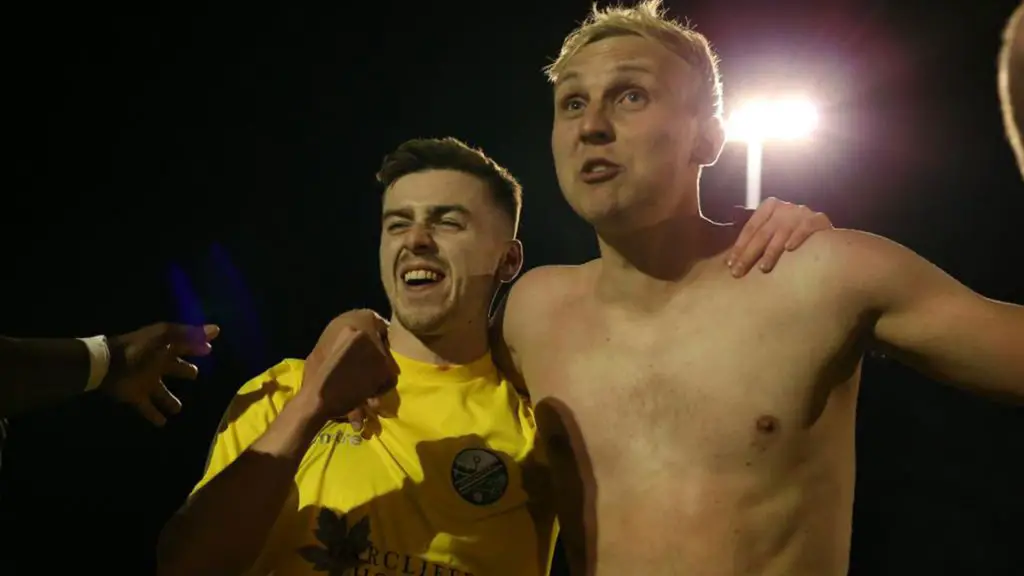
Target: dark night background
<point>202,162</point>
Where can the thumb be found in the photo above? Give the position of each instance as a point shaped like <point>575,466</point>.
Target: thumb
<point>356,418</point>
<point>382,331</point>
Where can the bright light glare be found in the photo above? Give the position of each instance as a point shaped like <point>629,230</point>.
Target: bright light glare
<point>764,120</point>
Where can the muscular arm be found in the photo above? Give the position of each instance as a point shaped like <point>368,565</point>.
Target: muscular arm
<point>932,322</point>
<point>223,528</point>
<point>39,371</point>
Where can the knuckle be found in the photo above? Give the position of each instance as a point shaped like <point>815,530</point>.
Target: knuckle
<point>367,315</point>
<point>344,322</point>
<point>357,333</point>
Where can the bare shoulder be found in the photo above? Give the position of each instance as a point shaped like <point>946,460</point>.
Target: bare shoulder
<point>548,283</point>
<point>857,266</point>
<point>547,286</point>
<point>535,297</point>
<point>848,254</point>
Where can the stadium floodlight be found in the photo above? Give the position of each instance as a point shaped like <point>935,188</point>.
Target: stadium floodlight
<point>760,121</point>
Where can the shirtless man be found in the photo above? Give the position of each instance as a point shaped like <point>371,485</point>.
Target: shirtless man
<point>288,490</point>
<point>697,424</point>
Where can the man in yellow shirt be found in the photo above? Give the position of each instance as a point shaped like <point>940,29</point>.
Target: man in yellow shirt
<point>444,478</point>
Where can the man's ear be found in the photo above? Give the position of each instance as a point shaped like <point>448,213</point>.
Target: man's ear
<point>710,140</point>
<point>511,263</point>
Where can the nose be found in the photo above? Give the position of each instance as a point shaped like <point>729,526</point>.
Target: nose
<point>596,128</point>
<point>419,240</point>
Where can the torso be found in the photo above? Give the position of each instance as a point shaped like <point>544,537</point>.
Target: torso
<point>437,489</point>
<point>714,436</point>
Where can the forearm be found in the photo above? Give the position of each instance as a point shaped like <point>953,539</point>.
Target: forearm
<point>39,371</point>
<point>224,527</point>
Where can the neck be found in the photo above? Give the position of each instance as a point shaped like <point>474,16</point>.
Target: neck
<point>462,345</point>
<point>645,264</point>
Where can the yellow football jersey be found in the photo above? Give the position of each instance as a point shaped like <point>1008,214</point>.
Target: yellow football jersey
<point>449,483</point>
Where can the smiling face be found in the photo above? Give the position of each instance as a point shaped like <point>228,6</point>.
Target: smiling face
<point>445,244</point>
<point>627,140</point>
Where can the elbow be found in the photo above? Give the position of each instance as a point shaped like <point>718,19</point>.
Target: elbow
<point>169,561</point>
<point>178,562</point>
<point>177,556</point>
<point>182,552</point>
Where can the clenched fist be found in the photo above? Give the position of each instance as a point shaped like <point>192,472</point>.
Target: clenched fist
<point>350,364</point>
<point>141,359</point>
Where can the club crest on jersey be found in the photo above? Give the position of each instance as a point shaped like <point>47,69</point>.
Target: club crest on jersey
<point>479,476</point>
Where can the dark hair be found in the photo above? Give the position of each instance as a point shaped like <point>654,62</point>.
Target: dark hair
<point>423,154</point>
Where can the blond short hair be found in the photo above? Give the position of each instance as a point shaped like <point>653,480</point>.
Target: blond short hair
<point>648,20</point>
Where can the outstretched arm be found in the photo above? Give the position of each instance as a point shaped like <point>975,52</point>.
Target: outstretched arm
<point>927,319</point>
<point>39,371</point>
<point>129,368</point>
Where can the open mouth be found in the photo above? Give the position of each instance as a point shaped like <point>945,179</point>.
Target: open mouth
<point>421,278</point>
<point>599,170</point>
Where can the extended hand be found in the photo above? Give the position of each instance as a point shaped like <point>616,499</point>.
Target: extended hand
<point>141,359</point>
<point>774,228</point>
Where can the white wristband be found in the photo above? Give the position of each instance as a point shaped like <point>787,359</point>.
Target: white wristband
<point>99,360</point>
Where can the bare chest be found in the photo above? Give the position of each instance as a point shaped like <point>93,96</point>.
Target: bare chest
<point>720,383</point>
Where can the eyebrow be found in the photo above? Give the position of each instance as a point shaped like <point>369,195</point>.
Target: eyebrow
<point>433,212</point>
<point>628,67</point>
